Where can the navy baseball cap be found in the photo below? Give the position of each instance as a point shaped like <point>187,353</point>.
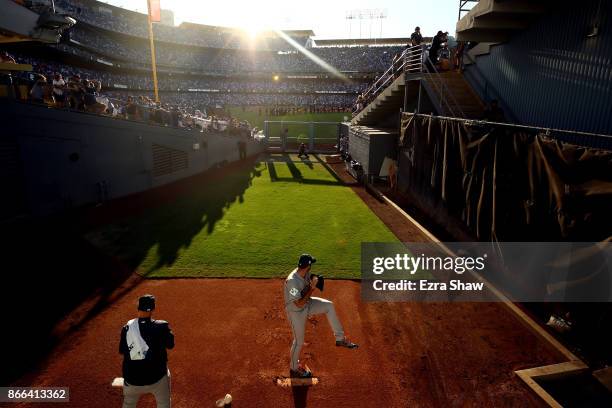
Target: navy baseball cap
<point>146,303</point>
<point>306,260</point>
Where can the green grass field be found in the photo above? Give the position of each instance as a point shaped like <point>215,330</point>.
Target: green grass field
<point>254,223</point>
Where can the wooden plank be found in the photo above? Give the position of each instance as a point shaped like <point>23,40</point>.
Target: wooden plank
<point>535,387</point>
<point>573,366</point>
<point>604,376</point>
<point>296,382</point>
<point>15,67</point>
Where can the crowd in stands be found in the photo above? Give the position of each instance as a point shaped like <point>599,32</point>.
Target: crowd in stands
<point>314,103</point>
<point>86,94</point>
<point>198,66</point>
<point>115,79</point>
<point>135,24</point>
<point>362,59</point>
<point>64,87</point>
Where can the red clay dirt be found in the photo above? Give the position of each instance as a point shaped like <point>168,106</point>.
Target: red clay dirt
<point>232,337</point>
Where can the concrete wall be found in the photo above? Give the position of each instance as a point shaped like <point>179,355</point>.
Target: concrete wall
<point>359,148</point>
<point>70,159</point>
<point>370,147</point>
<point>553,74</point>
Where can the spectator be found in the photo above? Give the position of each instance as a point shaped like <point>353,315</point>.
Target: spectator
<point>6,58</point>
<point>131,109</point>
<point>302,151</point>
<point>37,93</point>
<point>416,38</point>
<point>392,170</point>
<point>90,99</point>
<point>436,44</point>
<point>75,92</point>
<point>359,104</point>
<point>58,90</point>
<point>143,344</point>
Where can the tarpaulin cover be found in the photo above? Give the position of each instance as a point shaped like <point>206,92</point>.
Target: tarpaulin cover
<point>505,183</point>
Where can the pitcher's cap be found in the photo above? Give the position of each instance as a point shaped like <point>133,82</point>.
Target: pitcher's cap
<point>146,303</point>
<point>306,260</point>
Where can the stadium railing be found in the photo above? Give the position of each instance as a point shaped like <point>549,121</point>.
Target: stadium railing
<point>410,61</point>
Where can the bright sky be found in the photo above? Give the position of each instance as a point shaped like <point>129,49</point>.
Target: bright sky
<point>327,18</point>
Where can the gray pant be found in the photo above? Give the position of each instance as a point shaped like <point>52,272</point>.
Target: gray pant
<point>161,391</point>
<point>298,324</point>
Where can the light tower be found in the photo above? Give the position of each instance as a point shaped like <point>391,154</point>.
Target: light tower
<point>371,15</point>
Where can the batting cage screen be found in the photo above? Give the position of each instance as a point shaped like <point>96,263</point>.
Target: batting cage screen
<point>318,137</point>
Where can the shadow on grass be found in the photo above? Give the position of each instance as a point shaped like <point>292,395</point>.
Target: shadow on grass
<point>55,280</point>
<point>296,174</point>
<point>171,227</point>
<point>306,160</point>
<point>53,283</point>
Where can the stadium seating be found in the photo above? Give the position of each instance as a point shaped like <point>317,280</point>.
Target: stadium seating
<point>107,55</point>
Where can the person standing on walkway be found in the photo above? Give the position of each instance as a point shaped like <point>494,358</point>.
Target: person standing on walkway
<point>143,344</point>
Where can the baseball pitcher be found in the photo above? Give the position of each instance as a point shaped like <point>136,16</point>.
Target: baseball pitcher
<point>299,304</point>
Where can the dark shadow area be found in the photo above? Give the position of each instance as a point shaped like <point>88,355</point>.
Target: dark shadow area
<point>296,174</point>
<point>300,396</point>
<point>329,169</point>
<point>55,280</point>
<point>272,171</point>
<point>169,227</point>
<point>578,391</point>
<point>50,271</point>
<point>307,162</point>
<point>484,184</point>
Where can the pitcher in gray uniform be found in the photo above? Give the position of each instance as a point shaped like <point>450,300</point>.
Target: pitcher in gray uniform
<point>299,304</point>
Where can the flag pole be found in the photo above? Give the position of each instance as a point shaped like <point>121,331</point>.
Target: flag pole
<point>152,43</point>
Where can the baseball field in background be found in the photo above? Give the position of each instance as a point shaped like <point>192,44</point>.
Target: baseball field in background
<point>253,223</point>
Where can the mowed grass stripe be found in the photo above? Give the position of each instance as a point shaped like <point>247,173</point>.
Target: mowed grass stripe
<point>253,223</point>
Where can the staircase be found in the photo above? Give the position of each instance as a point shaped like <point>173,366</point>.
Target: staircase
<point>449,92</point>
<point>453,96</point>
<point>388,102</point>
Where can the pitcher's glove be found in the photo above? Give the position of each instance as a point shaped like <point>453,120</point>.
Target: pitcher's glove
<point>320,282</point>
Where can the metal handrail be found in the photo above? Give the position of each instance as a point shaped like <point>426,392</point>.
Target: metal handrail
<point>443,87</point>
<point>404,63</point>
<point>414,60</point>
<point>585,139</point>
<point>547,131</point>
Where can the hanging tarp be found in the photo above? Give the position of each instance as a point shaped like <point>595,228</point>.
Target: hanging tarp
<point>505,183</point>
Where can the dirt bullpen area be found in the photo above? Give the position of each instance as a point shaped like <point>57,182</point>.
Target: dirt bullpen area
<point>232,337</point>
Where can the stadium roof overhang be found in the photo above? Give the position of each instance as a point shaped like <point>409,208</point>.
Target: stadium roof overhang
<point>362,41</point>
<point>18,23</point>
<point>299,33</point>
<point>498,20</point>
<point>234,30</point>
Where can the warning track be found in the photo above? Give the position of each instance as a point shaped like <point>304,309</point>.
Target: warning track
<point>232,337</point>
